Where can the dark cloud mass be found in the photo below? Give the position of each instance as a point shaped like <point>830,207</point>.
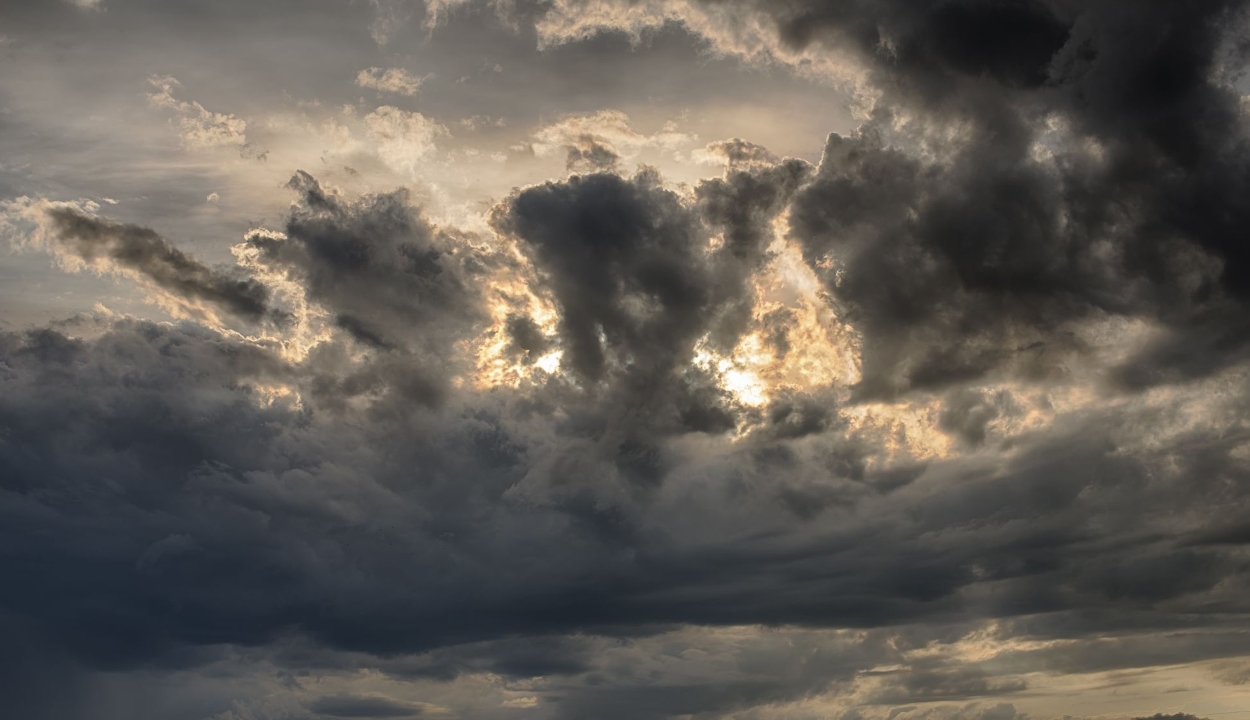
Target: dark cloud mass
<point>950,424</point>
<point>1098,170</point>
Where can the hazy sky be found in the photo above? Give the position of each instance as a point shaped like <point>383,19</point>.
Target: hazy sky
<point>624,359</point>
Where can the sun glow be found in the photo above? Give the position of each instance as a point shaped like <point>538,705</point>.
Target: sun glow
<point>795,340</point>
<point>511,297</point>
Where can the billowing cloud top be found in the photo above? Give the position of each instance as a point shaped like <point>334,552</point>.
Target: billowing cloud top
<point>631,359</point>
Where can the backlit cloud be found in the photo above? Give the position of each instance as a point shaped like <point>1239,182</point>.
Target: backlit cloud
<point>598,384</point>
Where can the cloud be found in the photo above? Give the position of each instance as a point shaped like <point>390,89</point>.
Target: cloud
<point>603,241</point>
<point>745,30</point>
<point>392,80</point>
<point>357,706</point>
<point>734,153</point>
<point>182,284</point>
<point>930,428</point>
<point>1014,214</point>
<point>404,138</point>
<point>390,277</point>
<point>389,17</point>
<point>600,140</point>
<point>200,128</point>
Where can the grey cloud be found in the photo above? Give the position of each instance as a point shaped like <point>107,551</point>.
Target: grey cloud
<point>189,451</point>
<point>739,152</point>
<point>377,264</point>
<point>623,258</point>
<point>167,441</point>
<point>359,706</point>
<point>619,258</point>
<point>591,156</point>
<point>952,263</point>
<point>966,414</point>
<point>392,281</point>
<point>221,517</point>
<point>927,686</point>
<point>969,711</point>
<point>146,253</point>
<point>526,337</point>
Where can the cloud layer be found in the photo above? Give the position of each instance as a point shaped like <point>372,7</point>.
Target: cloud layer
<point>950,423</point>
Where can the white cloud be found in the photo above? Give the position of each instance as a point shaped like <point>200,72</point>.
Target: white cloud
<point>477,122</point>
<point>200,128</point>
<point>606,129</point>
<point>392,80</point>
<point>389,16</point>
<point>437,11</point>
<point>729,29</point>
<point>24,223</point>
<point>403,137</point>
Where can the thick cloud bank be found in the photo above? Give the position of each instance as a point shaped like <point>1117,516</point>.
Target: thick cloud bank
<point>957,411</point>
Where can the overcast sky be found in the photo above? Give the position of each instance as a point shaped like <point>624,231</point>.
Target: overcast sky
<point>624,359</point>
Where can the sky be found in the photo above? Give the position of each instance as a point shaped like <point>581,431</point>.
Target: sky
<point>624,359</point>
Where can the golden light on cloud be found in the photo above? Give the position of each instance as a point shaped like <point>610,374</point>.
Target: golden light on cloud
<point>309,323</point>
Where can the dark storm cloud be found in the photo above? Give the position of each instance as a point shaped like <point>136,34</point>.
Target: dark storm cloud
<point>146,253</point>
<point>146,469</point>
<point>393,282</point>
<point>950,266</point>
<point>169,540</point>
<point>742,206</point>
<point>189,513</point>
<point>621,258</point>
<point>626,259</point>
<point>390,277</point>
<point>626,262</point>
